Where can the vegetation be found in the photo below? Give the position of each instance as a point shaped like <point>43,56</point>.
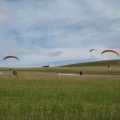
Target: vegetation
<point>97,63</point>
<point>40,94</point>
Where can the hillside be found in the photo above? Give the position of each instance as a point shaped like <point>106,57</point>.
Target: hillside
<point>95,63</point>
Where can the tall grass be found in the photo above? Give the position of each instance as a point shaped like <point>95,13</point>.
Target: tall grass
<point>46,96</point>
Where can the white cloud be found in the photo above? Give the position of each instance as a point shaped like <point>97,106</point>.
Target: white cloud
<point>43,31</point>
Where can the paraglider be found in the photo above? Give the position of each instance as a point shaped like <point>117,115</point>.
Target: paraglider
<point>92,50</point>
<point>113,51</point>
<point>11,57</point>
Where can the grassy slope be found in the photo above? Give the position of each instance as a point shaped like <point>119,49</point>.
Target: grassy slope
<point>38,94</point>
<point>96,63</point>
<point>97,67</point>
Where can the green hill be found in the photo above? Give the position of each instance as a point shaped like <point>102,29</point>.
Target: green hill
<point>98,68</point>
<point>96,63</point>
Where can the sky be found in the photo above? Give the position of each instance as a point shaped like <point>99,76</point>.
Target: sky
<point>58,32</point>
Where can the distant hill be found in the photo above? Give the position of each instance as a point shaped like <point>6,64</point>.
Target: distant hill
<point>95,63</point>
<point>99,68</point>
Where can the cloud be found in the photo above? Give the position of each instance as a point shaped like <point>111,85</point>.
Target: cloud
<point>43,31</point>
<point>56,53</point>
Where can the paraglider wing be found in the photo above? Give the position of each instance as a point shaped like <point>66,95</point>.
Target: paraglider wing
<point>11,57</point>
<point>110,51</point>
<point>92,50</point>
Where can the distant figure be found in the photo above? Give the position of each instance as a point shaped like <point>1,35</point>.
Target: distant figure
<point>81,72</point>
<point>14,72</point>
<point>108,66</point>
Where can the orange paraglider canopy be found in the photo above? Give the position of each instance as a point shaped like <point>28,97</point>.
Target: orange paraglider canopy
<point>110,51</point>
<point>11,57</point>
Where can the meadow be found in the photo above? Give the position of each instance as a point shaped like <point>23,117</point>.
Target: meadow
<point>40,94</point>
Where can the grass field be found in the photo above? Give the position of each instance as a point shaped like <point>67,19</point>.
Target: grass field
<point>40,94</point>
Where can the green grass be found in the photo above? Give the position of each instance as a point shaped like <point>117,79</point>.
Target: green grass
<point>97,63</point>
<point>39,94</point>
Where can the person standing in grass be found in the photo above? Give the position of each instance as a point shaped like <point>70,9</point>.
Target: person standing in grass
<point>14,72</point>
<point>81,72</point>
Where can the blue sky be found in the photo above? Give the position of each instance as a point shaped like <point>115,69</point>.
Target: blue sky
<point>58,32</point>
